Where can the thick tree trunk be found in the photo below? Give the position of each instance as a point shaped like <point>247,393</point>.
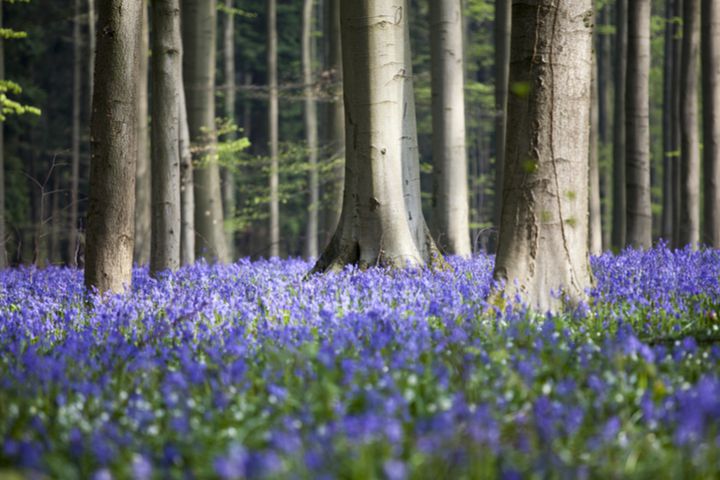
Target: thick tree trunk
<point>711,121</point>
<point>273,127</point>
<point>228,172</point>
<point>503,26</point>
<point>3,233</point>
<point>143,182</point>
<point>637,124</point>
<point>75,149</point>
<point>619,222</point>
<point>199,34</point>
<point>689,142</point>
<point>544,231</point>
<point>450,215</point>
<point>110,225</point>
<point>668,145</point>
<point>375,227</point>
<point>187,193</point>
<point>311,132</point>
<point>594,218</point>
<point>165,251</point>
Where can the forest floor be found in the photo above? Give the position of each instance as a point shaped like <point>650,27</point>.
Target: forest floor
<point>247,370</point>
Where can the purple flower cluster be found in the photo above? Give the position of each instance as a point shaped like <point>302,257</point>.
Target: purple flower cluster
<point>249,371</point>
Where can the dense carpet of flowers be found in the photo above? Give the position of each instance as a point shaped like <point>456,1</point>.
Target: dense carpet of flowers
<point>247,370</point>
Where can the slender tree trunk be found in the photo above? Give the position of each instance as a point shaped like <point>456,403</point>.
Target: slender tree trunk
<point>75,149</point>
<point>595,219</point>
<point>199,34</point>
<point>689,142</point>
<point>187,194</point>
<point>273,127</point>
<point>56,225</point>
<point>143,182</point>
<point>619,133</point>
<point>604,77</point>
<point>375,226</point>
<point>228,172</point>
<point>311,132</point>
<point>676,170</point>
<point>165,251</point>
<point>668,145</point>
<point>503,26</point>
<point>450,216</point>
<point>637,125</point>
<point>3,233</point>
<point>110,225</point>
<point>91,47</point>
<point>544,232</point>
<point>711,121</point>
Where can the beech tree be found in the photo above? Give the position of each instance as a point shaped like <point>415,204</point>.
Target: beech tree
<point>311,131</point>
<point>503,26</point>
<point>227,173</point>
<point>110,221</point>
<point>273,114</point>
<point>543,244</point>
<point>75,148</point>
<point>143,180</point>
<point>450,213</point>
<point>380,223</point>
<point>166,62</point>
<point>619,227</point>
<point>199,32</point>
<point>711,121</point>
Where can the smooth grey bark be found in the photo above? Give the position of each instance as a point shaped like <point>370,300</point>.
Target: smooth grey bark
<point>228,172</point>
<point>543,244</point>
<point>711,122</point>
<point>75,148</point>
<point>3,232</point>
<point>450,213</point>
<point>110,221</point>
<point>166,65</point>
<point>637,125</point>
<point>595,220</point>
<point>619,220</point>
<point>689,141</point>
<point>187,193</point>
<point>143,182</point>
<point>311,132</point>
<point>503,27</point>
<point>669,148</point>
<point>273,127</point>
<point>199,33</point>
<point>375,227</point>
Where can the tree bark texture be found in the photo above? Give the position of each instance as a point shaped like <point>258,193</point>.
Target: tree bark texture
<point>143,182</point>
<point>110,223</point>
<point>543,245</point>
<point>375,227</point>
<point>450,215</point>
<point>669,148</point>
<point>689,141</point>
<point>311,132</point>
<point>711,121</point>
<point>637,125</point>
<point>503,26</point>
<point>166,64</point>
<point>594,218</point>
<point>228,172</point>
<point>199,33</point>
<point>273,128</point>
<point>75,148</point>
<point>619,223</point>
<point>187,193</point>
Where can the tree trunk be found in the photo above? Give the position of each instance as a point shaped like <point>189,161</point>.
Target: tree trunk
<point>375,225</point>
<point>668,145</point>
<point>273,114</point>
<point>503,28</point>
<point>711,122</point>
<point>109,247</point>
<point>450,216</point>
<point>199,35</point>
<point>165,251</point>
<point>619,222</point>
<point>604,78</point>
<point>143,182</point>
<point>689,142</point>
<point>187,194</point>
<point>637,125</point>
<point>92,39</point>
<point>228,172</point>
<point>3,233</point>
<point>75,149</point>
<point>544,231</point>
<point>594,218</point>
<point>311,132</point>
